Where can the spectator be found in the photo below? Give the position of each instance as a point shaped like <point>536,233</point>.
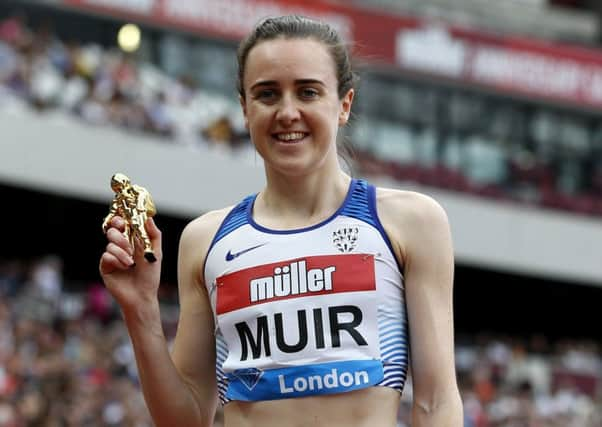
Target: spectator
<point>74,366</point>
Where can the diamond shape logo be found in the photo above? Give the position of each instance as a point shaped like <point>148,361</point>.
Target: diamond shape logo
<point>249,377</point>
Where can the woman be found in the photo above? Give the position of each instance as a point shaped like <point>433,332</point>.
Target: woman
<point>294,309</point>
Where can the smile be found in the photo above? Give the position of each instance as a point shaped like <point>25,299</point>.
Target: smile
<point>290,136</point>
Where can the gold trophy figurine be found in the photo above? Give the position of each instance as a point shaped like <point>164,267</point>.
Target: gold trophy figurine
<point>135,205</point>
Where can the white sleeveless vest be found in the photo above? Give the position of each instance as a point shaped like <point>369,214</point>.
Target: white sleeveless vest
<point>312,311</point>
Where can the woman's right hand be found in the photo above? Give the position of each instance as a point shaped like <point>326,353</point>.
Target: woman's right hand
<point>127,275</point>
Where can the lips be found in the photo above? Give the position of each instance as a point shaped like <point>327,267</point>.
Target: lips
<point>289,137</point>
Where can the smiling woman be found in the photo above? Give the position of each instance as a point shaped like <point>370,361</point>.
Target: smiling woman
<point>304,301</point>
<point>291,106</point>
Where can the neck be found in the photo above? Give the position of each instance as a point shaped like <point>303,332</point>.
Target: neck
<point>296,200</point>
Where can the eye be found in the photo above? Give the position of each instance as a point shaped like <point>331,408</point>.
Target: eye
<point>265,94</point>
<point>308,92</point>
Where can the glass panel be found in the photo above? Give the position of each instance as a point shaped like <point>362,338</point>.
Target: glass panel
<point>173,54</point>
<point>394,143</point>
<point>486,161</point>
<point>215,67</point>
<point>452,152</point>
<point>426,147</point>
<point>425,106</point>
<point>404,102</point>
<point>569,176</point>
<point>574,135</point>
<point>544,132</point>
<point>362,134</point>
<point>505,122</point>
<point>463,111</point>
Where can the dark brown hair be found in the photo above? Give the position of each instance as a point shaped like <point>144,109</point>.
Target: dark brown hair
<point>299,27</point>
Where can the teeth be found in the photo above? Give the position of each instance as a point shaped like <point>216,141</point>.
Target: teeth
<point>290,136</point>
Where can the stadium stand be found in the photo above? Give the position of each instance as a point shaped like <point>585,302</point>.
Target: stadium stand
<point>449,137</point>
<point>64,354</point>
<point>65,359</point>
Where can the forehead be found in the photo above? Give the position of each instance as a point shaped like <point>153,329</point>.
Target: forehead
<point>289,59</point>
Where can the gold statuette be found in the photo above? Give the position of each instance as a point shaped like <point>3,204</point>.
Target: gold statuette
<point>135,205</point>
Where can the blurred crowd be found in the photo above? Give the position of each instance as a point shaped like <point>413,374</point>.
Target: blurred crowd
<point>508,382</point>
<point>66,360</point>
<point>514,382</point>
<point>106,86</point>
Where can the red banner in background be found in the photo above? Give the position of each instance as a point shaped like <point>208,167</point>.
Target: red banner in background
<point>534,68</point>
<point>553,71</point>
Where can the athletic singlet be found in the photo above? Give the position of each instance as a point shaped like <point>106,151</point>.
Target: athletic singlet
<point>311,311</point>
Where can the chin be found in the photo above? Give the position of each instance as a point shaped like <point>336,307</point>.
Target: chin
<point>296,168</point>
<point>292,170</point>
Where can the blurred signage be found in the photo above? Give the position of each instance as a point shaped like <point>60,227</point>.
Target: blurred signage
<point>231,19</point>
<point>533,68</point>
<point>135,6</point>
<point>431,50</point>
<point>237,17</point>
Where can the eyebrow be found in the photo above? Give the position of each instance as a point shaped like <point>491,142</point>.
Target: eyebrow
<point>264,83</point>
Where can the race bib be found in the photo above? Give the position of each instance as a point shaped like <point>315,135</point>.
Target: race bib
<point>300,327</point>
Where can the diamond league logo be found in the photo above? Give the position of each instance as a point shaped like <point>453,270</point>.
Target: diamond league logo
<point>249,376</point>
<point>345,239</point>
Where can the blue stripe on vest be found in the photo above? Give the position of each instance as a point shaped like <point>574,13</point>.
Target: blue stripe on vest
<point>307,380</point>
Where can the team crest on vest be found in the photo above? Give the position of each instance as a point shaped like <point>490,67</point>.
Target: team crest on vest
<point>345,239</point>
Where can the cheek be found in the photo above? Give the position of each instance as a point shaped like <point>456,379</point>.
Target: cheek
<point>256,118</point>
<point>258,128</point>
<point>333,121</point>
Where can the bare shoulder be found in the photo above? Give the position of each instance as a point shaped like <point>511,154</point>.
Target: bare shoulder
<point>408,208</point>
<point>197,236</point>
<point>205,226</point>
<point>413,221</point>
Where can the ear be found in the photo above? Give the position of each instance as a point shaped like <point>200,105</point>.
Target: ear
<point>346,107</point>
<point>243,105</point>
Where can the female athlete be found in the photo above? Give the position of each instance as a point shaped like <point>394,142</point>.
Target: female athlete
<point>308,303</point>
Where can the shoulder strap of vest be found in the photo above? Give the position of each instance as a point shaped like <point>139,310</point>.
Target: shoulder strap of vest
<point>236,218</point>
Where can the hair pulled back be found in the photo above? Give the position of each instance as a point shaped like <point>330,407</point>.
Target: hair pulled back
<point>299,27</point>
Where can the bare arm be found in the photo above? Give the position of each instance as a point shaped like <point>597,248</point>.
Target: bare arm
<point>178,389</point>
<point>424,244</point>
<point>171,399</point>
<point>194,347</point>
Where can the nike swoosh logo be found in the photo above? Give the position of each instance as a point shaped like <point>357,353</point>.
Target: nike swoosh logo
<point>230,256</point>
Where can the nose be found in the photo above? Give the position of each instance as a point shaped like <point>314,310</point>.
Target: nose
<point>288,111</point>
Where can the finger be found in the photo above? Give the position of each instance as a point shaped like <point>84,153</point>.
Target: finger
<point>155,237</point>
<point>109,263</point>
<point>152,229</point>
<point>118,222</point>
<point>138,249</point>
<point>124,258</point>
<point>117,237</point>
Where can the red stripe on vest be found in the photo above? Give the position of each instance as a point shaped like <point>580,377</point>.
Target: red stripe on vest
<point>295,278</point>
